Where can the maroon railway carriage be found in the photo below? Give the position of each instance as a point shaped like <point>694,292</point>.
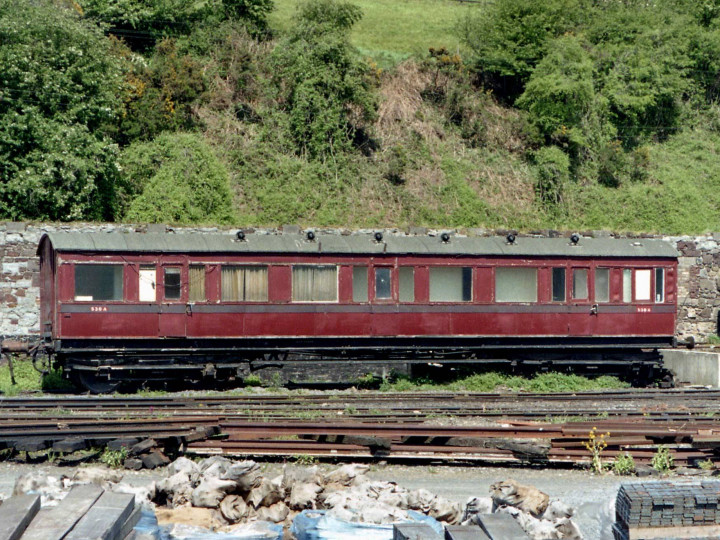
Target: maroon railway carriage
<point>119,304</point>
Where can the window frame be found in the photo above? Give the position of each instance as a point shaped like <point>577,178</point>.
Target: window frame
<point>661,270</point>
<point>608,269</point>
<point>393,284</point>
<point>589,284</point>
<point>462,269</point>
<point>315,265</point>
<point>165,299</point>
<point>651,292</point>
<point>204,286</point>
<point>552,284</point>
<point>122,265</point>
<point>354,267</point>
<point>517,302</point>
<point>399,282</point>
<point>244,265</point>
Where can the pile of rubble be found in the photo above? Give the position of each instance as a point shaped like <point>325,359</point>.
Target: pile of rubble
<point>217,494</point>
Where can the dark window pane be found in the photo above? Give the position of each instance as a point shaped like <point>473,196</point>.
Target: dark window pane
<point>98,282</point>
<point>659,285</point>
<point>558,284</point>
<point>466,284</point>
<point>172,283</point>
<point>382,284</point>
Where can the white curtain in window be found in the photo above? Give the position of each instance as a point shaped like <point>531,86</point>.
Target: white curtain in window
<point>314,284</point>
<point>196,290</point>
<point>244,283</point>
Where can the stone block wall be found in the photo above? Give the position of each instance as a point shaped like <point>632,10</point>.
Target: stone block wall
<point>698,275</point>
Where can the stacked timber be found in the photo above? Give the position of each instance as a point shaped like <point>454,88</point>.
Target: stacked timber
<point>87,512</point>
<point>668,510</point>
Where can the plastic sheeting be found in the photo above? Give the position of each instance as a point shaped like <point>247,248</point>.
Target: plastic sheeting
<point>317,525</point>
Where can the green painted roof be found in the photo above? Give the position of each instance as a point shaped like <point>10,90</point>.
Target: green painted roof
<point>364,244</point>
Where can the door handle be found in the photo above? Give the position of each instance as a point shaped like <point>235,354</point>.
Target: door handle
<point>594,309</point>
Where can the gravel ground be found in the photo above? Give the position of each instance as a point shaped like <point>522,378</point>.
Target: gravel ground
<point>592,496</point>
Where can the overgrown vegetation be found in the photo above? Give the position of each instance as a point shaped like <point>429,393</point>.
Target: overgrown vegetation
<point>515,114</point>
<point>494,382</point>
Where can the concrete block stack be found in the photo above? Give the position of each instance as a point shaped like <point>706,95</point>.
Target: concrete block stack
<point>670,509</point>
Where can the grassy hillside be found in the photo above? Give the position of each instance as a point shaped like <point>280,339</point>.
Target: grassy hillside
<point>567,114</point>
<point>392,30</point>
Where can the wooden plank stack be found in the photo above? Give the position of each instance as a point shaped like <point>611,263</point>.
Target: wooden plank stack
<point>667,509</point>
<point>86,513</point>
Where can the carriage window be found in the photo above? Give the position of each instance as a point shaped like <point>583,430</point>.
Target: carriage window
<point>659,285</point>
<point>360,284</point>
<point>580,284</point>
<point>450,284</point>
<point>516,284</point>
<point>172,284</point>
<point>558,284</point>
<point>98,282</point>
<point>642,284</point>
<point>196,283</point>
<point>244,283</point>
<point>407,284</point>
<point>314,284</point>
<point>627,285</point>
<point>602,284</point>
<point>383,290</point>
<point>147,282</point>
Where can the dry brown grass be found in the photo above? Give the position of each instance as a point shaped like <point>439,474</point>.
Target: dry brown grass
<point>402,109</point>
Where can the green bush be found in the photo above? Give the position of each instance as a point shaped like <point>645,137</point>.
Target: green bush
<point>177,178</point>
<point>59,101</point>
<point>323,84</point>
<point>662,461</point>
<point>624,464</point>
<point>553,173</point>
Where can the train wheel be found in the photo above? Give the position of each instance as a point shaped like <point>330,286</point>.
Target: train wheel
<point>94,383</point>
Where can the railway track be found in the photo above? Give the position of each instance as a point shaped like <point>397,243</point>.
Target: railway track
<point>517,428</point>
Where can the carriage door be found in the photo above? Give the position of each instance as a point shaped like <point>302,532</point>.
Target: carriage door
<point>582,311</point>
<point>172,305</point>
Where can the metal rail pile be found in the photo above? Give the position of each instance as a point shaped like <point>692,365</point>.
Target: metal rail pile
<point>539,428</point>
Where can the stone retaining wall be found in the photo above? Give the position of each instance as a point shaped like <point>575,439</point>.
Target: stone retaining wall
<point>699,271</point>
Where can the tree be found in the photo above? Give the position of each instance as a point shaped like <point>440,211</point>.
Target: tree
<point>58,104</point>
<point>509,38</point>
<point>324,86</point>
<point>560,91</point>
<point>175,178</point>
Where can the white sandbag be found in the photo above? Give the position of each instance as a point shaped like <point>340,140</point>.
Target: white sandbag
<point>293,474</point>
<point>526,498</point>
<point>558,510</point>
<point>303,495</point>
<point>445,510</point>
<point>246,474</point>
<point>211,491</point>
<point>275,513</point>
<point>95,475</point>
<point>266,494</point>
<point>36,482</point>
<point>233,508</point>
<point>184,465</point>
<point>420,500</point>
<point>347,473</point>
<point>214,466</point>
<point>143,494</point>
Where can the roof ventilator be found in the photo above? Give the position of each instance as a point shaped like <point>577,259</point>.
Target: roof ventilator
<point>510,238</point>
<point>445,237</point>
<point>574,239</point>
<point>378,236</point>
<point>240,235</point>
<point>310,236</point>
